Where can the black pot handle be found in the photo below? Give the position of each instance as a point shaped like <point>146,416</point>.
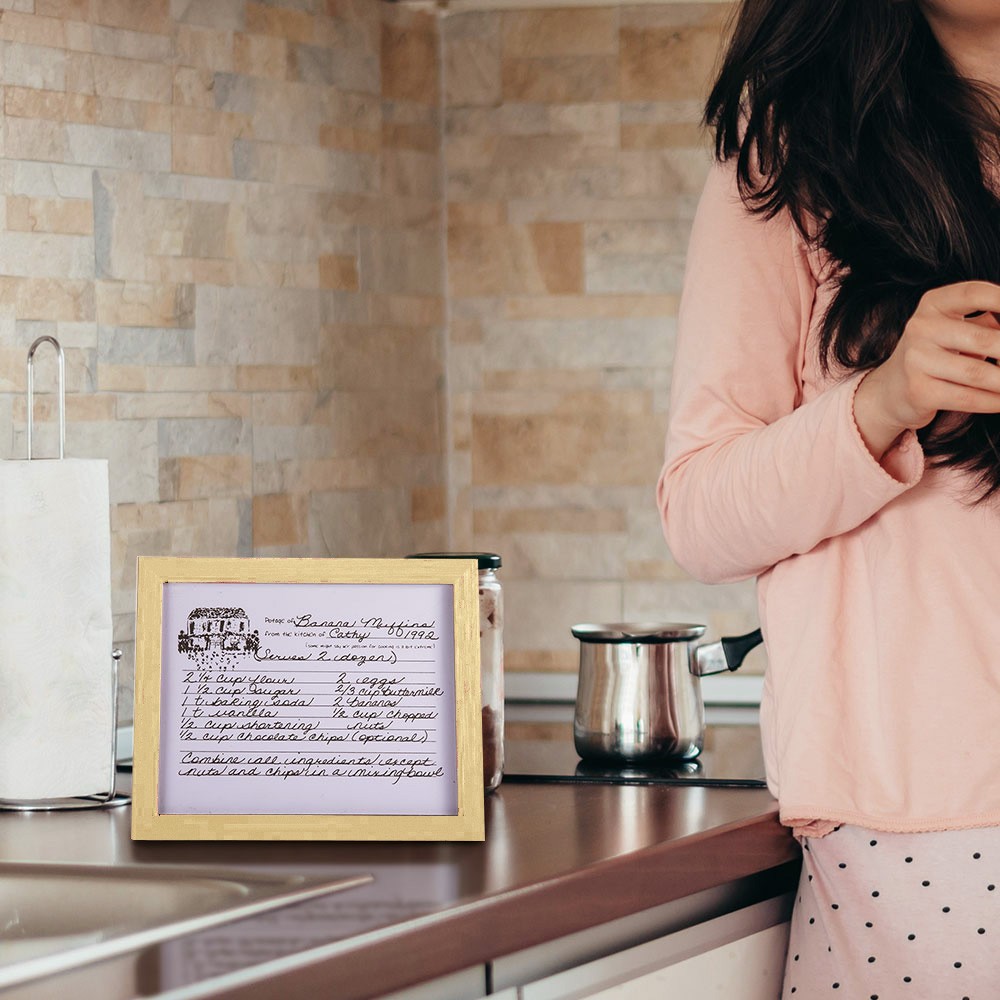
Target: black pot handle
<point>736,648</point>
<point>727,654</point>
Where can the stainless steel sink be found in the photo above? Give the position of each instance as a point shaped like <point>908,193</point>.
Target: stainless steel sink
<point>54,917</point>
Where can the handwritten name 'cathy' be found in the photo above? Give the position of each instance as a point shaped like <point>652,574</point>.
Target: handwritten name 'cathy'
<point>362,628</point>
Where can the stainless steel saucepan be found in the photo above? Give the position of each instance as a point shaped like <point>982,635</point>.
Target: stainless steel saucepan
<point>639,692</point>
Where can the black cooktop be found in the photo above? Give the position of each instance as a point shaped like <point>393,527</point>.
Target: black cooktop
<point>732,757</point>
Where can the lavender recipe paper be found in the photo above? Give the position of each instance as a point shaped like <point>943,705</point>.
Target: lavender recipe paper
<point>299,699</point>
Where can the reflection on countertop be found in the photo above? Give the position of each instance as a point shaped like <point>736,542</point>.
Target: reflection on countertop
<point>540,748</point>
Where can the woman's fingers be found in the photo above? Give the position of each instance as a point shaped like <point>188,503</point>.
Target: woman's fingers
<point>965,399</point>
<point>964,335</point>
<point>963,383</point>
<point>964,297</point>
<point>942,362</point>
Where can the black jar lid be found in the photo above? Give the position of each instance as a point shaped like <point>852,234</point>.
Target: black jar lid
<point>486,560</point>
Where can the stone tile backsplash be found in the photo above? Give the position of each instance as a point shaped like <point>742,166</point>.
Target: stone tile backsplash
<point>574,159</point>
<point>351,278</point>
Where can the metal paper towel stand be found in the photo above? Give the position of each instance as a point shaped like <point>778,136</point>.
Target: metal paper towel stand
<point>102,799</point>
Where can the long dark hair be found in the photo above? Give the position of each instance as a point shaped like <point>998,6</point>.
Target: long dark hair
<point>849,115</point>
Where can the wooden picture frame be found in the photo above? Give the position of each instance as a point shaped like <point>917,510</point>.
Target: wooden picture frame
<point>307,699</point>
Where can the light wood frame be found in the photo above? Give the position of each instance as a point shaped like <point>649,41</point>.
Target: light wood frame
<point>149,823</point>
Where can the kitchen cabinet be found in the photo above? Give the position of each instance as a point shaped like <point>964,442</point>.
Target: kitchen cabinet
<point>727,941</point>
<point>739,954</point>
<point>750,968</point>
<point>469,984</point>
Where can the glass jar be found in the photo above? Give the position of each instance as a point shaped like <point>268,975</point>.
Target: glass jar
<point>490,657</point>
<point>491,666</point>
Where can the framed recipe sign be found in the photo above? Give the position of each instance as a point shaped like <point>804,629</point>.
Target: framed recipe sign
<point>307,699</point>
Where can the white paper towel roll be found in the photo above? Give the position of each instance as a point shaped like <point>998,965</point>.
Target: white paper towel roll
<point>56,700</point>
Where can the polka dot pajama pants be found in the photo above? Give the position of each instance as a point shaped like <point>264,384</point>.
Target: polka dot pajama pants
<point>897,916</point>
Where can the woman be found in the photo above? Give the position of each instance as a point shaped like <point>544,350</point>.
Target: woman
<point>834,432</point>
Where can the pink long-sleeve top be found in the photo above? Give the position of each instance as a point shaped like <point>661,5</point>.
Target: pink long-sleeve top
<point>878,582</point>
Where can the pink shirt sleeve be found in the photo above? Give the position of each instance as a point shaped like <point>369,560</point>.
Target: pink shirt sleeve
<point>753,474</point>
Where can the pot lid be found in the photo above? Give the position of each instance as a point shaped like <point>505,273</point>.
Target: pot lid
<point>638,632</point>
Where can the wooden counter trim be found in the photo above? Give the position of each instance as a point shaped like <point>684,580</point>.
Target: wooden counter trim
<point>485,929</point>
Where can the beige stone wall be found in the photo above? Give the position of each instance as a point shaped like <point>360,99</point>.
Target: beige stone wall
<point>574,162</point>
<point>232,215</point>
<point>229,213</point>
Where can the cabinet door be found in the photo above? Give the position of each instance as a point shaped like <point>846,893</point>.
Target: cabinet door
<point>751,968</point>
<point>740,954</point>
<point>469,984</point>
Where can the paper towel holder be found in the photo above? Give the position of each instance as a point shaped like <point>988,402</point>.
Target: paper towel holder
<point>111,797</point>
<point>62,392</point>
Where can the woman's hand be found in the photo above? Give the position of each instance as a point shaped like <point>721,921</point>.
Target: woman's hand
<point>940,363</point>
